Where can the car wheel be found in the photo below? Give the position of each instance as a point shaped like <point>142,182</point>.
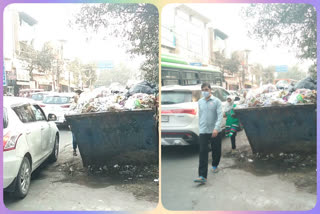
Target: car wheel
<point>55,152</point>
<point>23,179</point>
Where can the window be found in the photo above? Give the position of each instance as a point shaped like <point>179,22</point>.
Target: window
<point>203,76</point>
<point>224,95</point>
<point>216,93</point>
<point>195,43</point>
<point>5,118</point>
<point>24,113</point>
<point>175,97</point>
<point>220,94</point>
<point>188,78</point>
<point>191,82</point>
<point>56,100</point>
<point>170,82</point>
<point>170,74</point>
<point>38,113</point>
<point>37,97</point>
<point>218,81</point>
<point>196,95</point>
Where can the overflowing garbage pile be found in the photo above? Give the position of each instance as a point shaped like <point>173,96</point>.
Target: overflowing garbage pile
<point>116,97</point>
<point>269,95</point>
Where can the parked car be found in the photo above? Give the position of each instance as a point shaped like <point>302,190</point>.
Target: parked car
<point>27,92</point>
<point>179,113</point>
<point>58,104</point>
<point>29,138</point>
<point>39,96</point>
<point>234,93</point>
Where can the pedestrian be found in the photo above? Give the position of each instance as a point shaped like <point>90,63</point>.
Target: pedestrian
<point>210,118</point>
<point>232,123</point>
<point>74,142</point>
<point>72,107</point>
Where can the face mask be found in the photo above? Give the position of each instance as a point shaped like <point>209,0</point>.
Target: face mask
<point>205,94</point>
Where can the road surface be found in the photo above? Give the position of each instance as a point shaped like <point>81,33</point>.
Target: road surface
<point>244,182</point>
<point>66,185</point>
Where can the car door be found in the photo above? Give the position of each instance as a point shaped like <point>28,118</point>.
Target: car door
<point>46,141</point>
<point>32,131</point>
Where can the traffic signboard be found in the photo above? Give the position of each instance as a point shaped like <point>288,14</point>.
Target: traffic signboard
<point>282,68</point>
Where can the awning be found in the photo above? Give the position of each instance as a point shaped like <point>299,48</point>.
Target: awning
<point>220,34</point>
<point>66,83</point>
<point>27,18</point>
<point>42,80</point>
<point>232,80</point>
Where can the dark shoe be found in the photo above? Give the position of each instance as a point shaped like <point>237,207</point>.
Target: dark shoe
<point>74,153</point>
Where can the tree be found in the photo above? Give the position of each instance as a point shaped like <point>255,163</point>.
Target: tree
<point>293,25</point>
<point>75,67</point>
<point>312,71</point>
<point>46,61</point>
<point>293,73</point>
<point>257,71</point>
<point>219,60</point>
<point>49,63</point>
<point>233,63</point>
<point>268,75</point>
<point>137,24</point>
<point>120,73</point>
<point>230,65</point>
<point>30,56</point>
<point>88,74</point>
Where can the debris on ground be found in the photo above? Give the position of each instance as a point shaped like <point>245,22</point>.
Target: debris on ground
<point>301,169</point>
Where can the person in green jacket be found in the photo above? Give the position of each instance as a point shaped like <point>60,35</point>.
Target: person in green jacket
<point>232,123</point>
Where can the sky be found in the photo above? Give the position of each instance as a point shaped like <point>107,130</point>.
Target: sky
<point>226,17</point>
<point>53,20</point>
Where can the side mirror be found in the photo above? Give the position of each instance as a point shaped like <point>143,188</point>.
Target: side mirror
<point>236,99</point>
<point>52,117</point>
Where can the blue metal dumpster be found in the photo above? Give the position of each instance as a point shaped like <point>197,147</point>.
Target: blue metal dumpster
<point>115,137</point>
<point>278,129</point>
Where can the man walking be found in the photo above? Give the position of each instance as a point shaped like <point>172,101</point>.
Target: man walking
<point>210,118</point>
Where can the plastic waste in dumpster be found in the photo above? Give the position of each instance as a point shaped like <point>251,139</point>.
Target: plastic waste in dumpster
<point>280,128</point>
<point>307,83</point>
<point>142,87</point>
<point>115,137</point>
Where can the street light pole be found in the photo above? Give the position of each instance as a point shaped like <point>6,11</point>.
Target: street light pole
<point>69,88</point>
<point>246,66</point>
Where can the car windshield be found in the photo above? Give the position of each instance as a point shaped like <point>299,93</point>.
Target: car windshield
<point>5,118</point>
<point>37,97</point>
<point>56,100</point>
<point>175,97</point>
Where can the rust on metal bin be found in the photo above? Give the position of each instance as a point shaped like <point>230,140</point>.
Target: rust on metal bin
<point>115,137</point>
<point>275,129</point>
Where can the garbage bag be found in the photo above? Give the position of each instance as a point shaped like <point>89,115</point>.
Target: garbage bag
<point>142,87</point>
<point>307,83</point>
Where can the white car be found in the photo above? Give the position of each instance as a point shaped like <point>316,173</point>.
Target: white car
<point>39,96</point>
<point>58,104</point>
<point>179,113</point>
<point>29,138</point>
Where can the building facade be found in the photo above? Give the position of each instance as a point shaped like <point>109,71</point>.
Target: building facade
<point>19,30</point>
<point>190,35</point>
